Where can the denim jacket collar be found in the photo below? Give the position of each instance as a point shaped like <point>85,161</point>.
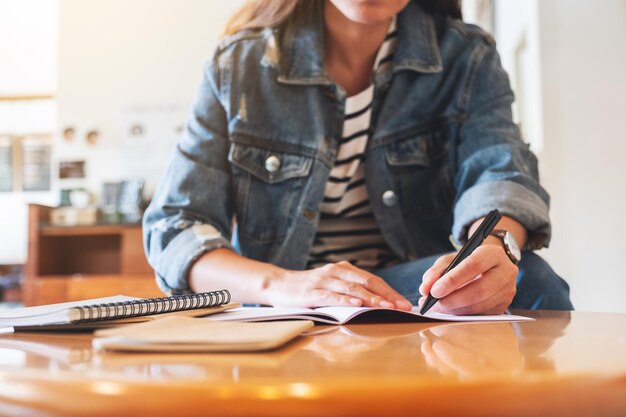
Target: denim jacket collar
<point>302,50</point>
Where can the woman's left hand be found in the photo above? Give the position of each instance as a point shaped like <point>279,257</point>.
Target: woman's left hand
<point>483,283</point>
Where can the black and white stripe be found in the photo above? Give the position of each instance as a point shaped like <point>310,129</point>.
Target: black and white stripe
<point>347,229</point>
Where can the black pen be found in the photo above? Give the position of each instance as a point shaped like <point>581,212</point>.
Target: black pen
<point>472,243</point>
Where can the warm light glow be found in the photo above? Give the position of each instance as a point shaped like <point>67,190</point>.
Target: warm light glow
<point>269,393</point>
<point>300,389</point>
<point>107,388</point>
<point>17,390</point>
<point>12,357</point>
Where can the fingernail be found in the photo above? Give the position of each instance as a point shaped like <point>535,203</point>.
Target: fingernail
<point>355,302</point>
<point>405,304</point>
<point>386,304</point>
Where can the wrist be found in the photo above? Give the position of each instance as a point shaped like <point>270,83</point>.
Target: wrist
<point>515,229</point>
<point>493,240</point>
<point>269,278</point>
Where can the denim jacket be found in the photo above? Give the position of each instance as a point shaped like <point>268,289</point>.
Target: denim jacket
<point>250,172</point>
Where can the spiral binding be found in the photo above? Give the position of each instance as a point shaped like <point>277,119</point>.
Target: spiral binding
<point>135,308</point>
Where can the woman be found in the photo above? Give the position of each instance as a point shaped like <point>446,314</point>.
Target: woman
<point>332,148</point>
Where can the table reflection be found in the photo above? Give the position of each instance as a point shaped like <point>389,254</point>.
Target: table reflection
<point>390,350</point>
<point>487,349</point>
<point>472,349</point>
<point>46,350</point>
<point>536,338</point>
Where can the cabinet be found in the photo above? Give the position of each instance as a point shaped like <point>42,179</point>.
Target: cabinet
<point>79,262</point>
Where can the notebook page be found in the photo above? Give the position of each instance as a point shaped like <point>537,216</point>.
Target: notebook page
<point>272,313</point>
<point>340,315</point>
<point>452,317</point>
<point>31,315</point>
<point>345,314</point>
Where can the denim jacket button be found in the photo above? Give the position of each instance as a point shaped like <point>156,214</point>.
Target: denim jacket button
<point>389,198</point>
<point>272,163</point>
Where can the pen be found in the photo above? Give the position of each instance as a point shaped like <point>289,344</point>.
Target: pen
<point>486,226</point>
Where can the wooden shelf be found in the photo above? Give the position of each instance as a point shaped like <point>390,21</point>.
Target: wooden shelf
<point>96,230</point>
<point>74,263</point>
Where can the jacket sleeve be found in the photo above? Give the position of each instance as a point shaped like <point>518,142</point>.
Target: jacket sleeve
<point>494,168</point>
<point>191,210</point>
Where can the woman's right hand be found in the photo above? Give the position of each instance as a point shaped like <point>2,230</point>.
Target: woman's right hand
<point>338,284</point>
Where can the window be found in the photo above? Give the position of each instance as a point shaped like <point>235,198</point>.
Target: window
<point>28,72</point>
<point>28,115</point>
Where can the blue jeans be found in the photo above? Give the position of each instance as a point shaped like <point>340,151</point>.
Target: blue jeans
<point>538,286</point>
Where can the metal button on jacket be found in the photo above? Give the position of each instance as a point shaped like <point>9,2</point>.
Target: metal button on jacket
<point>272,163</point>
<point>389,198</point>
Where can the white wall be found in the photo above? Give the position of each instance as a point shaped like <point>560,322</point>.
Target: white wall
<point>113,56</point>
<point>28,53</point>
<point>583,162</point>
<point>517,32</point>
<point>118,55</point>
<point>570,85</point>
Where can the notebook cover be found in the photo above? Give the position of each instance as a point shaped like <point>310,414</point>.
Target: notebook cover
<point>186,334</point>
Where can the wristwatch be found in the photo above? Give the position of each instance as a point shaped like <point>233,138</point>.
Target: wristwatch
<point>510,244</point>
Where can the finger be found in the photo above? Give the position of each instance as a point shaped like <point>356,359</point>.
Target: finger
<point>434,272</point>
<point>490,283</point>
<point>481,260</point>
<point>324,297</point>
<point>446,305</point>
<point>486,309</point>
<point>333,274</point>
<point>373,283</point>
<point>421,301</point>
<point>440,264</point>
<point>496,304</point>
<point>354,290</point>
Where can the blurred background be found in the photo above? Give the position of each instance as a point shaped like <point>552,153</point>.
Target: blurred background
<point>94,94</point>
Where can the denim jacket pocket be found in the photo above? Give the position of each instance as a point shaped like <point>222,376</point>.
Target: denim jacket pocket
<point>418,167</point>
<point>408,152</point>
<point>269,165</point>
<point>269,185</point>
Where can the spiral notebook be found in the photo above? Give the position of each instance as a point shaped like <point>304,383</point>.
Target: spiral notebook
<point>111,311</point>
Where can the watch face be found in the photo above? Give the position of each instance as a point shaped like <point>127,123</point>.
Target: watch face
<point>510,242</point>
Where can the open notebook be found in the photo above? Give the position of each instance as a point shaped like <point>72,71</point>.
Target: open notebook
<point>342,315</point>
<point>113,311</point>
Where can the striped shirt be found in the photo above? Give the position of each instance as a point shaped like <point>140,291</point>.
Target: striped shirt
<point>347,228</point>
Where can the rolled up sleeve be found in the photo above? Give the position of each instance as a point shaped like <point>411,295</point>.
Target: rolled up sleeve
<point>174,261</point>
<point>512,200</point>
<point>191,211</point>
<point>494,167</point>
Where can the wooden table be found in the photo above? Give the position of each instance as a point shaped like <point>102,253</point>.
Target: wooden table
<point>561,364</point>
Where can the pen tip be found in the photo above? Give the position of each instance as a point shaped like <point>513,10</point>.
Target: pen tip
<point>430,301</point>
